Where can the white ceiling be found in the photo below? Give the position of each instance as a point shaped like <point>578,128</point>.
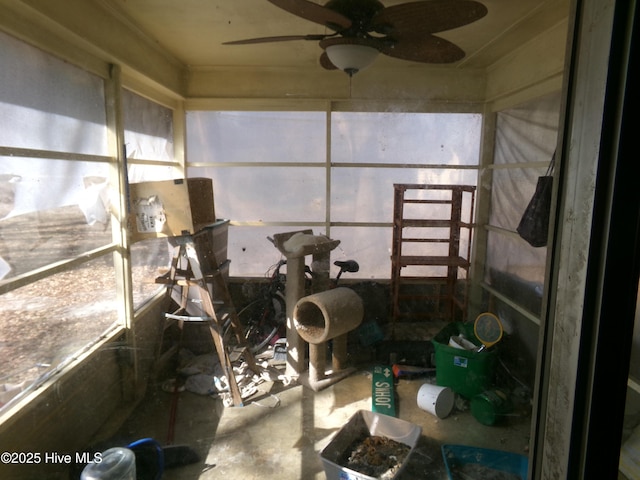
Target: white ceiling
<point>193,31</point>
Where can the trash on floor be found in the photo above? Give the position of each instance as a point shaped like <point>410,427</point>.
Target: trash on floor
<point>375,456</point>
<point>280,350</point>
<point>203,375</point>
<point>411,371</point>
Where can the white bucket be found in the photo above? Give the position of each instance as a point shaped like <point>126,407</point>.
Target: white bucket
<point>436,400</point>
<point>461,343</point>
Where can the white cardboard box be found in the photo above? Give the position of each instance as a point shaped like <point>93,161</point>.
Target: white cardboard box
<point>170,208</point>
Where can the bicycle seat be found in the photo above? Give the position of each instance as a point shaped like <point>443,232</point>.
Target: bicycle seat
<point>347,266</point>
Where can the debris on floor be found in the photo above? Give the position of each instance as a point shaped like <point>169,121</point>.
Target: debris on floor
<point>376,456</point>
<point>412,371</point>
<point>203,375</point>
<point>280,350</point>
<point>480,472</point>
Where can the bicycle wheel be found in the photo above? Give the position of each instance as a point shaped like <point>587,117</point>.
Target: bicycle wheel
<point>261,320</point>
<point>271,322</point>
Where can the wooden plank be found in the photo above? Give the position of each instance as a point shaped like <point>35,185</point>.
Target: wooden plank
<point>442,261</point>
<point>425,223</point>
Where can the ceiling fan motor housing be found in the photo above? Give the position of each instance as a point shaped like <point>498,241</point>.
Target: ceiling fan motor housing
<point>360,12</point>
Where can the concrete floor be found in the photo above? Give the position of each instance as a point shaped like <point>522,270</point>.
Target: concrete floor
<point>281,430</point>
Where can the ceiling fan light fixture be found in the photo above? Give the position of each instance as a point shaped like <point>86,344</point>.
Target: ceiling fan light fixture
<point>350,54</point>
<point>351,58</point>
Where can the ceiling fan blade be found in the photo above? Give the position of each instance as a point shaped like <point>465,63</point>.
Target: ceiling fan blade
<point>281,38</point>
<point>326,63</point>
<point>314,13</point>
<point>426,17</point>
<point>424,49</point>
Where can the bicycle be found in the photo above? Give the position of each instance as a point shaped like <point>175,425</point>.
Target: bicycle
<point>264,319</point>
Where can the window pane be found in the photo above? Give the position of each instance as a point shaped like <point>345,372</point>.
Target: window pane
<point>269,194</point>
<point>529,132</point>
<point>53,210</point>
<point>299,194</point>
<point>400,138</point>
<point>52,319</point>
<point>511,192</point>
<point>366,194</point>
<point>48,104</point>
<point>370,247</point>
<point>513,258</point>
<point>149,260</point>
<point>148,128</point>
<point>524,134</point>
<point>251,253</point>
<point>256,137</point>
<point>149,136</point>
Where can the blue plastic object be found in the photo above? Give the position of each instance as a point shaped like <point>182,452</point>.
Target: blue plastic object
<point>139,447</point>
<point>458,456</point>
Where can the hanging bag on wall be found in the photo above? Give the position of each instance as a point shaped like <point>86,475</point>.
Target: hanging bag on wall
<point>534,225</point>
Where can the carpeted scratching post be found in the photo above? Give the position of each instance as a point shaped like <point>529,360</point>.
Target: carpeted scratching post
<point>325,316</point>
<point>296,246</point>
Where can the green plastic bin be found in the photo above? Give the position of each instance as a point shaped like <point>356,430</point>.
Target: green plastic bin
<point>466,372</point>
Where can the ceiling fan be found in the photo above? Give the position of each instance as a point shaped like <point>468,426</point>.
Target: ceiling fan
<point>361,29</point>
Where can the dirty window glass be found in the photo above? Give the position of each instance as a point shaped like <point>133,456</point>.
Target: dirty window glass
<point>148,133</point>
<point>71,120</point>
<point>337,183</point>
<point>406,138</point>
<point>256,137</point>
<point>55,196</point>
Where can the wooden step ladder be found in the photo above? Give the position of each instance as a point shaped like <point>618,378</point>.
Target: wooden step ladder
<point>194,269</point>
